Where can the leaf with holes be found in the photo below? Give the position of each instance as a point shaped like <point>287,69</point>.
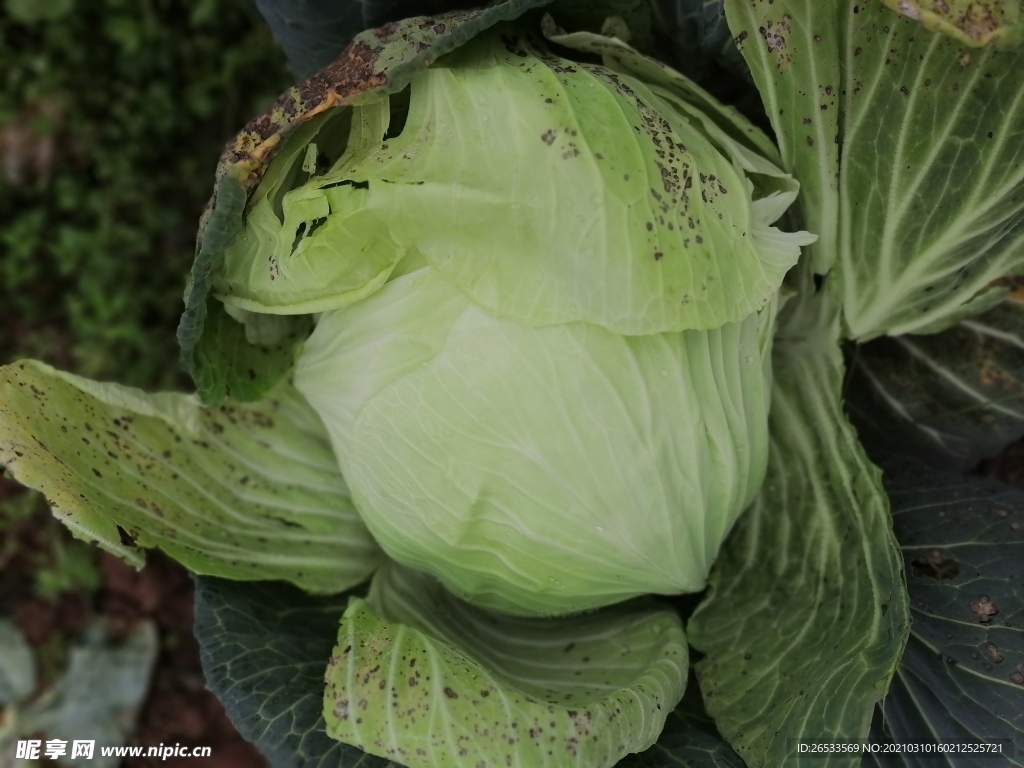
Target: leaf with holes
<point>376,63</point>
<point>961,679</point>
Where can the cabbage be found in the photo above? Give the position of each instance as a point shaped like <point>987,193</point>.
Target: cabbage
<point>547,301</point>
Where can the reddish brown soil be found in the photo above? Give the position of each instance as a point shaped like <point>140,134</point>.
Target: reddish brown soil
<point>179,708</point>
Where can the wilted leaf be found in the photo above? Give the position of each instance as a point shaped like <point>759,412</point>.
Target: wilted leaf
<point>99,695</point>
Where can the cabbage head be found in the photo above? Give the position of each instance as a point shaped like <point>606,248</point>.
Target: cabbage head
<point>545,290</point>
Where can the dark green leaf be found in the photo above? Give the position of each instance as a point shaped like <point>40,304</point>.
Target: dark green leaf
<point>221,224</point>
<point>228,365</point>
<point>955,397</point>
<point>265,648</point>
<point>701,23</point>
<point>591,15</point>
<point>693,37</point>
<point>962,676</point>
<point>376,13</point>
<point>312,32</point>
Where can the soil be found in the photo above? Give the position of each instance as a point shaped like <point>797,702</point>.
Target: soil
<point>179,708</point>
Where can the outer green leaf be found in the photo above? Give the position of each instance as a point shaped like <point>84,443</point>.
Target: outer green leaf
<point>375,64</point>
<point>807,614</point>
<point>220,225</point>
<point>921,205</point>
<point>974,22</point>
<point>264,648</point>
<point>958,396</point>
<point>791,47</point>
<point>528,444</point>
<point>933,198</point>
<point>962,677</point>
<point>731,132</point>
<point>421,677</point>
<point>242,492</point>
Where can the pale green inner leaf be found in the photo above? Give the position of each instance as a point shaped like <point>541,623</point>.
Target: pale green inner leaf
<point>556,469</point>
<point>304,251</point>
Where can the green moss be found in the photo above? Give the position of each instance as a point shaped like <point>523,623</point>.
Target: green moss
<point>112,116</point>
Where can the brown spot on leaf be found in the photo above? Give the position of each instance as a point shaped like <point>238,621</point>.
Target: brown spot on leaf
<point>935,565</point>
<point>984,609</point>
